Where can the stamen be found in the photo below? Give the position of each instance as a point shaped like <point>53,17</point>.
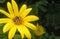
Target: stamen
<point>17,20</point>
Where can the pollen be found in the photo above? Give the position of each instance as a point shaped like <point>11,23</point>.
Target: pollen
<point>17,20</point>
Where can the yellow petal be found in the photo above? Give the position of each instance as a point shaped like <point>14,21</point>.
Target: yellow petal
<point>22,9</point>
<point>10,38</point>
<point>7,27</point>
<point>31,26</point>
<point>9,6</point>
<point>5,13</point>
<point>20,29</point>
<point>31,18</point>
<point>12,32</point>
<point>26,12</point>
<point>39,30</point>
<point>4,20</point>
<point>15,7</point>
<point>26,32</point>
<point>10,9</point>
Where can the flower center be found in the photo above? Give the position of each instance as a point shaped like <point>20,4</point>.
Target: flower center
<point>17,20</point>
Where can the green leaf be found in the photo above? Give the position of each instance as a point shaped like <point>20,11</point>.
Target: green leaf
<point>57,37</point>
<point>1,28</point>
<point>17,36</point>
<point>1,1</point>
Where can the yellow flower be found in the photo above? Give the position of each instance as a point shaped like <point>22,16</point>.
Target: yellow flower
<point>39,30</point>
<point>18,20</point>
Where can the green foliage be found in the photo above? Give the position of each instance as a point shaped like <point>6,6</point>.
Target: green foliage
<point>1,0</point>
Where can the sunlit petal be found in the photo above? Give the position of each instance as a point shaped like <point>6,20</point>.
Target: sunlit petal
<point>10,9</point>
<point>4,12</point>
<point>4,20</point>
<point>26,12</point>
<point>31,18</point>
<point>22,9</point>
<point>7,27</point>
<point>12,32</point>
<point>31,26</point>
<point>15,7</point>
<point>26,32</point>
<point>20,29</point>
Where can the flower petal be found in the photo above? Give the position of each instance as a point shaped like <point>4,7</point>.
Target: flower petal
<point>7,27</point>
<point>39,30</point>
<point>4,20</point>
<point>12,32</point>
<point>31,26</point>
<point>15,7</point>
<point>31,18</point>
<point>26,32</point>
<point>26,12</point>
<point>22,9</point>
<point>9,6</point>
<point>5,13</point>
<point>20,29</point>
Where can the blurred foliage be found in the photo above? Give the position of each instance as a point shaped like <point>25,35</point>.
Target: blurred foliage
<point>47,10</point>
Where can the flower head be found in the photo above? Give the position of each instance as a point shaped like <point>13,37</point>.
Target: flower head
<point>39,30</point>
<point>18,20</point>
